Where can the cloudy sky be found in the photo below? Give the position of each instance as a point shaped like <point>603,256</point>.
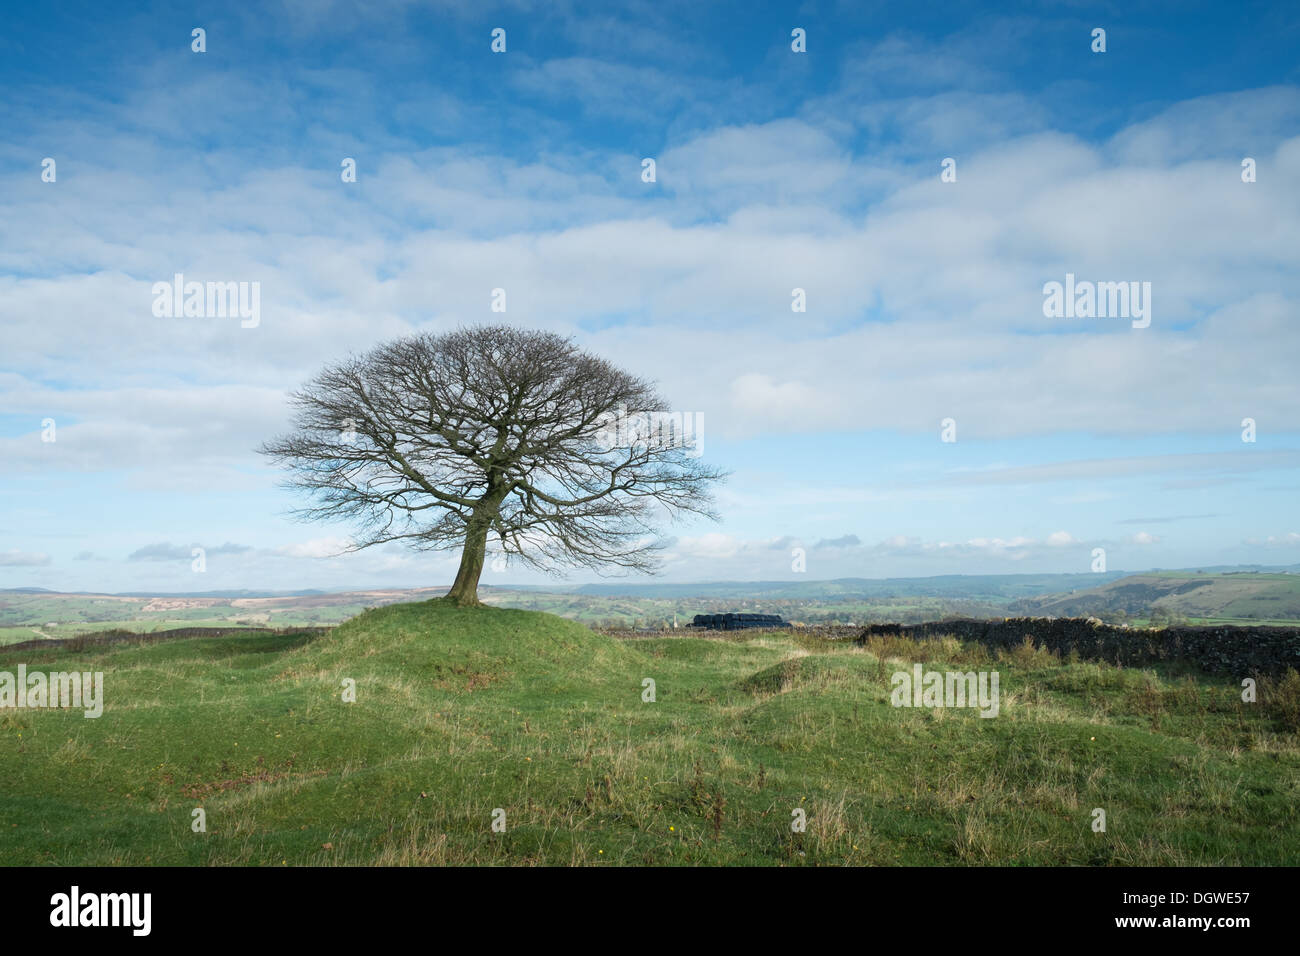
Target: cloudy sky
<point>775,170</point>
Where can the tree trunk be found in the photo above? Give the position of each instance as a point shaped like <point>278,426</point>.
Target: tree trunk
<point>464,590</point>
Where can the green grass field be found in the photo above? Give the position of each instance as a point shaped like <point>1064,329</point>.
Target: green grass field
<point>1244,597</point>
<point>460,712</point>
<point>27,617</point>
<point>33,616</point>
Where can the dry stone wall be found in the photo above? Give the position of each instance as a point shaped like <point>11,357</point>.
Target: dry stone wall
<point>1239,651</point>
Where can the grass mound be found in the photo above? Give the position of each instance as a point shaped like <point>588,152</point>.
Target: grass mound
<point>438,640</point>
<point>777,679</point>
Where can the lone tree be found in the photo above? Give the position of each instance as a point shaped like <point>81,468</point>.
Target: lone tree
<point>443,440</point>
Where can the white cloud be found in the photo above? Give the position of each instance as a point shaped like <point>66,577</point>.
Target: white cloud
<point>923,298</point>
<point>711,546</point>
<point>329,547</point>
<point>23,559</point>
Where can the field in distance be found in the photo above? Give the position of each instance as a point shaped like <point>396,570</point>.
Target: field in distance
<point>30,614</point>
<point>1195,597</point>
<point>1162,597</point>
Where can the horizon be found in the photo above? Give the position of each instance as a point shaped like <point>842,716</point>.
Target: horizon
<point>644,582</point>
<point>128,431</point>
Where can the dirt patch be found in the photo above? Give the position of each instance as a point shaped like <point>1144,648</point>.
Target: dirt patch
<point>197,791</point>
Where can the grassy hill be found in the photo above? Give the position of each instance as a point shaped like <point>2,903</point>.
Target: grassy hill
<point>1201,597</point>
<point>460,712</point>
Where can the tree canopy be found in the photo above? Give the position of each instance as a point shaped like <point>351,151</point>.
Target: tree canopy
<point>442,440</point>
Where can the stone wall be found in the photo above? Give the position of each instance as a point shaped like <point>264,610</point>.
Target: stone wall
<point>1224,649</point>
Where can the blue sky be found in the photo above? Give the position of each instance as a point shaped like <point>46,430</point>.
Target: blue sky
<point>775,170</point>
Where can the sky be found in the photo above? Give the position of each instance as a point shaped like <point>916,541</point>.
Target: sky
<point>775,170</point>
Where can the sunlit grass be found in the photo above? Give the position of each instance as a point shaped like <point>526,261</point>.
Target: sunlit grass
<point>461,712</point>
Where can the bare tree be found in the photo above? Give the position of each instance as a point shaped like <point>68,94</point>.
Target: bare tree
<point>441,440</point>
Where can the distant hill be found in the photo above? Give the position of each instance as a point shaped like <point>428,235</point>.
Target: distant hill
<point>1233,595</point>
<point>988,587</point>
<point>235,593</point>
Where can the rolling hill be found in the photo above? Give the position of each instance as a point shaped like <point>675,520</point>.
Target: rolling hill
<point>1199,596</point>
